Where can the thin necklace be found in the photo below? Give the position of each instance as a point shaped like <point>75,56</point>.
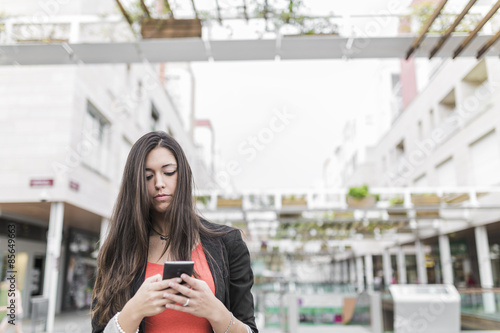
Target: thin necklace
<point>162,237</point>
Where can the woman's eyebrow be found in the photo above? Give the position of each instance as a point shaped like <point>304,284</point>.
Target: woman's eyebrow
<point>164,166</point>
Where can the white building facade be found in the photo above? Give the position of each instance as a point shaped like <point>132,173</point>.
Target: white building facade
<point>66,132</point>
<point>446,137</point>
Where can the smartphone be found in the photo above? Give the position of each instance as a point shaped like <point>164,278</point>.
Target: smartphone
<point>172,269</point>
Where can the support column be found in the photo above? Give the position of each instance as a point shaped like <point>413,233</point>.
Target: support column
<point>485,272</point>
<point>50,280</point>
<point>387,267</point>
<point>421,269</point>
<point>369,271</point>
<point>338,272</point>
<point>359,272</point>
<point>293,313</point>
<point>345,271</point>
<point>104,230</point>
<point>401,266</point>
<point>352,271</point>
<point>445,254</point>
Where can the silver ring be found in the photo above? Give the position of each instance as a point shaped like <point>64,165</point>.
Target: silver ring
<point>187,302</point>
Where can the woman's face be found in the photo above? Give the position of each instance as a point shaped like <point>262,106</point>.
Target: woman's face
<point>161,178</point>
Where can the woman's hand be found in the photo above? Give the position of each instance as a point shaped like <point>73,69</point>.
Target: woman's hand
<point>148,300</point>
<point>202,302</point>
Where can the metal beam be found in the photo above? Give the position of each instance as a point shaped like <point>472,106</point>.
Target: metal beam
<point>194,9</point>
<point>124,13</point>
<point>145,8</point>
<point>474,32</point>
<point>219,17</point>
<point>451,28</point>
<point>488,44</point>
<point>429,23</point>
<point>245,10</point>
<point>169,9</point>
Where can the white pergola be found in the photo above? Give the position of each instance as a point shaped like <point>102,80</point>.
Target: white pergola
<point>197,49</point>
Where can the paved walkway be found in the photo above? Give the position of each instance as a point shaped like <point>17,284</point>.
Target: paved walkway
<point>79,322</point>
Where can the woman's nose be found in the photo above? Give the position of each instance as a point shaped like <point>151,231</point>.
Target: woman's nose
<point>159,182</point>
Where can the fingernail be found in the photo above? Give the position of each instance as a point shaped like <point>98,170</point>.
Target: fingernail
<point>171,284</point>
<point>178,280</point>
<point>184,276</point>
<point>165,295</point>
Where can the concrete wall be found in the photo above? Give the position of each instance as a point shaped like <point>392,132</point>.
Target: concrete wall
<point>424,153</point>
<point>42,130</point>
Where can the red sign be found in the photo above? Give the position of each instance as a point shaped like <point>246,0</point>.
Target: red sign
<point>41,182</point>
<point>74,185</point>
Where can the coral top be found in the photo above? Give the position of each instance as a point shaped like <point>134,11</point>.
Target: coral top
<point>176,321</point>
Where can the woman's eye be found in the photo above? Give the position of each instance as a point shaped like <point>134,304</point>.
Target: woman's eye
<point>149,177</point>
<point>170,173</point>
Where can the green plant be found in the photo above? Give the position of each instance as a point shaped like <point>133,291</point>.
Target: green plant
<point>203,199</point>
<point>396,201</point>
<point>292,15</point>
<point>358,192</point>
<point>423,11</point>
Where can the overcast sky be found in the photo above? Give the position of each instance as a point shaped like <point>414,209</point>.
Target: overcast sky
<point>316,97</point>
<point>277,121</point>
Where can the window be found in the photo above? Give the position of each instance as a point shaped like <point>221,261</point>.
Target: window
<point>96,137</point>
<point>473,86</point>
<point>420,133</point>
<point>446,175</point>
<point>400,151</point>
<point>431,120</point>
<point>155,116</point>
<point>485,159</point>
<point>124,151</point>
<point>447,105</point>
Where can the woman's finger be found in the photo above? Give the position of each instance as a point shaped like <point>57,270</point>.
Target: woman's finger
<point>176,298</point>
<point>180,308</point>
<point>182,289</point>
<point>190,280</point>
<point>164,284</point>
<point>154,278</point>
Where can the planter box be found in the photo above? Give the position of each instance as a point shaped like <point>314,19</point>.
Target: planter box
<point>456,198</point>
<point>311,35</point>
<point>397,211</point>
<point>369,201</point>
<point>343,215</point>
<point>170,28</point>
<point>426,200</point>
<point>293,202</point>
<point>223,202</point>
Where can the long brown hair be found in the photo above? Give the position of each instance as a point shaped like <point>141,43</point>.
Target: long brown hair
<point>125,250</point>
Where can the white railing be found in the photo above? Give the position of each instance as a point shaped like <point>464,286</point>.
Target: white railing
<point>65,28</point>
<point>114,28</point>
<point>335,199</point>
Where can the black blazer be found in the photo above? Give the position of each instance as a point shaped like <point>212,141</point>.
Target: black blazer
<point>229,261</point>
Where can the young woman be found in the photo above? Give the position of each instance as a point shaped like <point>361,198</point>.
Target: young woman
<point>154,220</point>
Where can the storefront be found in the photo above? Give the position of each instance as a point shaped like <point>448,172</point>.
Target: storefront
<point>411,268</point>
<point>464,259</point>
<point>433,262</point>
<point>29,259</point>
<point>494,243</point>
<point>81,253</point>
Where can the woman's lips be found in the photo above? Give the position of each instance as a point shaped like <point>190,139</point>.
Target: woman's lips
<point>161,197</point>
